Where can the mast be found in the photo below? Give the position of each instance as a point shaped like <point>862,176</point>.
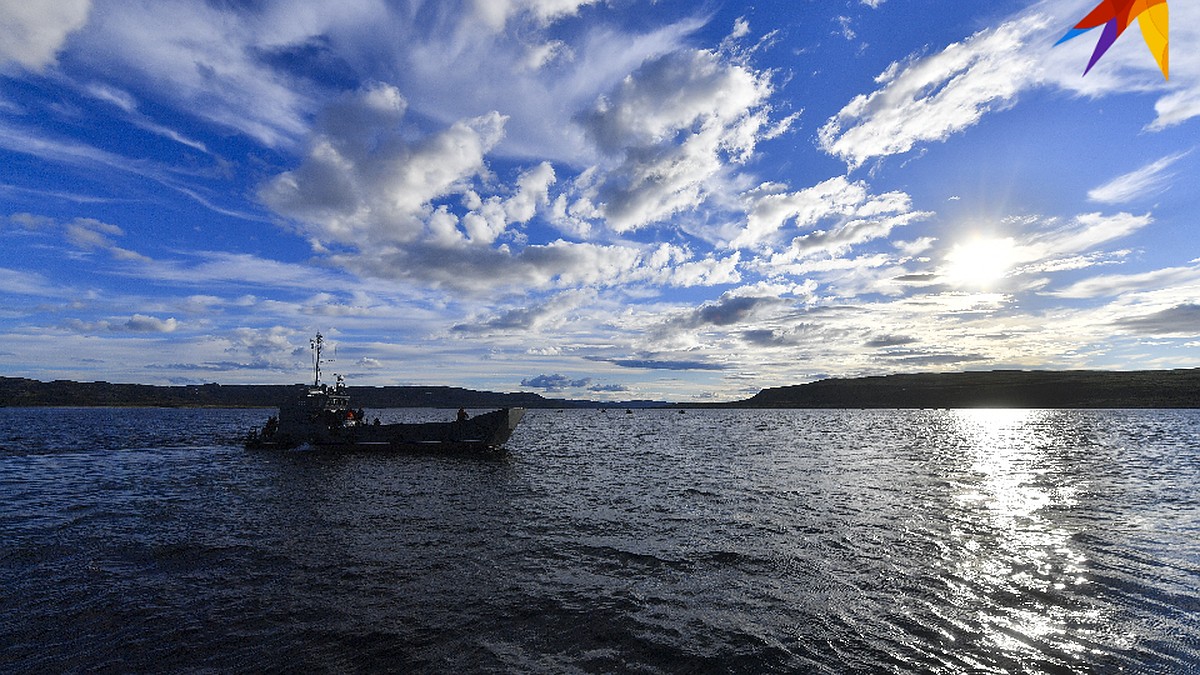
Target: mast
<point>315,344</point>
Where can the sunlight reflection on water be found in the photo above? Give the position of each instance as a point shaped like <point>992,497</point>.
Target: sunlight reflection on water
<point>1009,450</point>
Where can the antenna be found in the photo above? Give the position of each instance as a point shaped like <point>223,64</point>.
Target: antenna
<point>315,344</point>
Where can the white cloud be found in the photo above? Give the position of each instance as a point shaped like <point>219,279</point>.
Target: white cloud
<point>128,104</point>
<point>365,183</point>
<point>204,59</point>
<point>496,13</point>
<point>84,234</point>
<point>452,65</point>
<point>1120,284</point>
<point>528,318</point>
<point>556,265</point>
<point>374,194</point>
<point>1176,108</point>
<point>33,31</point>
<point>533,190</point>
<point>856,214</point>
<point>1147,181</point>
<point>932,98</point>
<point>672,125</point>
<point>21,282</point>
<point>1083,234</point>
<point>138,323</point>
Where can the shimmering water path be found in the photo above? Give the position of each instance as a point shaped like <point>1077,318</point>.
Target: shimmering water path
<point>705,541</point>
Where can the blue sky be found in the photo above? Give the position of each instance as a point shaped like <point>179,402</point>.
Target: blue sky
<point>611,200</point>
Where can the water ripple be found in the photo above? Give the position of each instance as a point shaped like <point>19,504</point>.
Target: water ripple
<point>732,541</point>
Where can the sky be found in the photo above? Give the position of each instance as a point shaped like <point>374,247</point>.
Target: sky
<point>672,200</point>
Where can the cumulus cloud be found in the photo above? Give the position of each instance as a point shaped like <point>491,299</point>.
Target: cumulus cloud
<point>672,126</point>
<point>728,310</point>
<point>263,345</point>
<point>363,179</point>
<point>141,323</point>
<point>428,151</point>
<point>375,185</point>
<point>527,318</point>
<point>556,265</point>
<point>379,195</point>
<point>533,191</point>
<point>853,216</point>
<point>931,98</point>
<point>889,340</point>
<point>138,323</point>
<point>555,382</point>
<point>33,31</point>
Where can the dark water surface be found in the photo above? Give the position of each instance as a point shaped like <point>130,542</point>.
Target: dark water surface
<point>711,541</point>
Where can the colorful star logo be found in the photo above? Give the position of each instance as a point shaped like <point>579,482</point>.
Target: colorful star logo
<point>1115,16</point>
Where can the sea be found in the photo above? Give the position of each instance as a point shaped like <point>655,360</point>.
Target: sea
<point>607,541</point>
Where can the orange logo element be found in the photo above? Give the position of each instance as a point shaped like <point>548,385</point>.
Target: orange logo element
<point>1115,16</point>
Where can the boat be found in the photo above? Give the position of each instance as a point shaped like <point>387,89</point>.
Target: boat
<point>320,417</point>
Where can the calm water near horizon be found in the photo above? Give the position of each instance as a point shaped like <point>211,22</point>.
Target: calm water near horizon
<point>708,541</point>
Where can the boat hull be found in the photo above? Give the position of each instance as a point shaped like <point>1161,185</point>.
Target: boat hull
<point>483,433</point>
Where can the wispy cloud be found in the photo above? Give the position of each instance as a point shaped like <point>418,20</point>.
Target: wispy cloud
<point>1142,183</point>
<point>931,98</point>
<point>82,234</point>
<point>20,282</point>
<point>1108,285</point>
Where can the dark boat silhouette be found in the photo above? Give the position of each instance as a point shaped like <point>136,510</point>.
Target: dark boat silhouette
<point>321,417</point>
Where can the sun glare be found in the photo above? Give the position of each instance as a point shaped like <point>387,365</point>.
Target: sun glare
<point>980,262</point>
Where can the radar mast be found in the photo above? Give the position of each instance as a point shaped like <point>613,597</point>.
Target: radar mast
<point>315,344</point>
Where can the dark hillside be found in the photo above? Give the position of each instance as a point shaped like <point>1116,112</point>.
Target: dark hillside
<point>997,388</point>
<point>16,391</point>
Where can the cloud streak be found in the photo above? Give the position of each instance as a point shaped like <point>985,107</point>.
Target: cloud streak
<point>932,98</point>
<point>1144,182</point>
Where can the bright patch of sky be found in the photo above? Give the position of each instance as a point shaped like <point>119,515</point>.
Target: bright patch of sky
<point>612,200</point>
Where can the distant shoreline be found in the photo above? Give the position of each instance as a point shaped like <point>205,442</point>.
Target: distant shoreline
<point>23,392</point>
<point>1179,388</point>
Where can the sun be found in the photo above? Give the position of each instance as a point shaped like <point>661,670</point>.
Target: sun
<point>980,262</point>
